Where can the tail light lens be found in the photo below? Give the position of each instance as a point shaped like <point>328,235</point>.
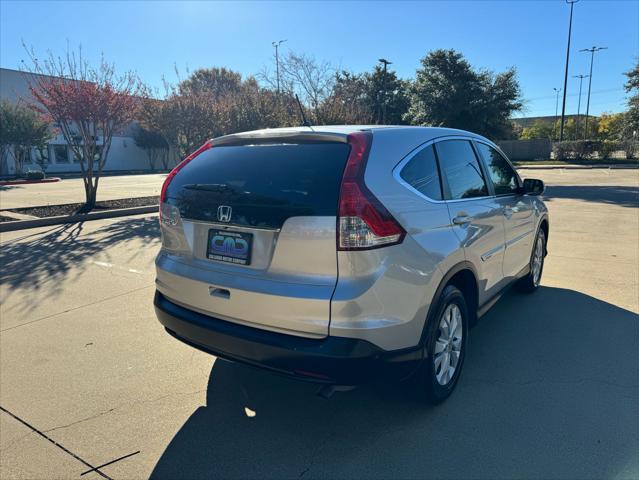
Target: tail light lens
<point>174,172</point>
<point>363,222</point>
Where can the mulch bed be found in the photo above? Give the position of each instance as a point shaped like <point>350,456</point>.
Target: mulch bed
<point>73,208</point>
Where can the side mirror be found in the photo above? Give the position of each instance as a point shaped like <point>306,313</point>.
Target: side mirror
<point>532,186</point>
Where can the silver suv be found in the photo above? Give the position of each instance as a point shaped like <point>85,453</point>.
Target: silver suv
<point>343,254</point>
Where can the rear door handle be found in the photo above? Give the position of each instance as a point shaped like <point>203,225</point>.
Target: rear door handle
<point>508,212</point>
<point>462,219</point>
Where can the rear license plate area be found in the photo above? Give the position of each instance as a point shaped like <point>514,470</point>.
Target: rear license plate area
<point>229,246</point>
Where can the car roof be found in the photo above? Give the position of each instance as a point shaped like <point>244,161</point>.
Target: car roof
<point>328,131</point>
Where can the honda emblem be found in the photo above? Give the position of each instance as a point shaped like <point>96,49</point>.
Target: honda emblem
<point>224,213</point>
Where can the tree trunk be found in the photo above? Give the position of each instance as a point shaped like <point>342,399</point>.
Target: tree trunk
<point>90,192</point>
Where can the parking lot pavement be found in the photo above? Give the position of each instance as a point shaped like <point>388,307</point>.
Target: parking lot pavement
<point>550,387</point>
<point>71,190</point>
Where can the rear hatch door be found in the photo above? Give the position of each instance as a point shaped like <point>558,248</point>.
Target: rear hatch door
<point>256,235</point>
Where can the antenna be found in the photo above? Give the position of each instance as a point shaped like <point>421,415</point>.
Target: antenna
<point>305,122</point>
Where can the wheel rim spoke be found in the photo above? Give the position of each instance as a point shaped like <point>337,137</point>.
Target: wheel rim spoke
<point>447,350</point>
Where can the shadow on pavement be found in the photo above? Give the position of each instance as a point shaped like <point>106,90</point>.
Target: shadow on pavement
<point>611,194</point>
<point>35,259</point>
<point>550,389</point>
<point>4,188</point>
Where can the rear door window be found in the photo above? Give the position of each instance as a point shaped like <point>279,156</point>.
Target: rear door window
<point>461,169</point>
<point>421,173</point>
<point>263,184</point>
<point>503,176</point>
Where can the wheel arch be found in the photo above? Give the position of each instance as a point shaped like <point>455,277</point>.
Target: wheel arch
<point>545,226</point>
<point>463,276</point>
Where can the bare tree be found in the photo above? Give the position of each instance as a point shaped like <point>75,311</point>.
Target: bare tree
<point>89,105</point>
<point>300,74</point>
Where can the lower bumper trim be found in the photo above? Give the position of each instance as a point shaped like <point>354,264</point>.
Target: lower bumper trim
<point>333,360</point>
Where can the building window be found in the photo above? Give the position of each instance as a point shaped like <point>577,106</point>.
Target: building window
<point>60,153</point>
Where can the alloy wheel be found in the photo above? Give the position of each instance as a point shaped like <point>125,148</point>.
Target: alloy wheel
<point>448,344</point>
<point>538,259</point>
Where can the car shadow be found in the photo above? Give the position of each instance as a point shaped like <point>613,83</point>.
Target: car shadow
<point>624,196</point>
<point>550,389</point>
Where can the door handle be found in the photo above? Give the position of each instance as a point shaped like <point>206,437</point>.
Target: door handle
<point>508,212</point>
<point>462,220</point>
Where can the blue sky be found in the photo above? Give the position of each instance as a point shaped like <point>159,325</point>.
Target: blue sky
<point>150,37</point>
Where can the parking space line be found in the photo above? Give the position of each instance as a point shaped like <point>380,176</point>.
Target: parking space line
<point>117,267</point>
<point>61,447</point>
<point>95,469</point>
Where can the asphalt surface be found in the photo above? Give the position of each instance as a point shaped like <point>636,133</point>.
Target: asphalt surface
<point>550,388</point>
<point>71,190</point>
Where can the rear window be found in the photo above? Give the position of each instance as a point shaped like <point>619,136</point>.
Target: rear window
<point>263,184</point>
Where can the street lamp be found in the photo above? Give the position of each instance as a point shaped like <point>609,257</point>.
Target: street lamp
<point>592,57</point>
<point>581,79</point>
<point>386,63</point>
<point>554,127</point>
<point>277,63</point>
<point>563,105</point>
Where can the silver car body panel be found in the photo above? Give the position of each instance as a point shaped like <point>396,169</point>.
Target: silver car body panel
<point>300,284</point>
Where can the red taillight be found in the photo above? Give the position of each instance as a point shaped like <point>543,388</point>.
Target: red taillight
<point>179,167</point>
<point>363,222</point>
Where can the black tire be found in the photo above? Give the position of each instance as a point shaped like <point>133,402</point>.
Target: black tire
<point>434,390</point>
<point>529,283</point>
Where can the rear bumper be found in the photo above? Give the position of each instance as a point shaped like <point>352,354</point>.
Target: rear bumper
<point>333,360</point>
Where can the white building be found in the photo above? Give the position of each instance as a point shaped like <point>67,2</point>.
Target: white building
<point>124,155</point>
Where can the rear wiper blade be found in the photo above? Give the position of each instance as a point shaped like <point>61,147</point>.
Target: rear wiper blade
<point>209,187</point>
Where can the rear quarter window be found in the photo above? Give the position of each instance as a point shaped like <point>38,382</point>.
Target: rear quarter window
<point>422,174</point>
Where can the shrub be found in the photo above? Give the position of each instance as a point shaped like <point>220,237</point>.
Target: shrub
<point>630,148</point>
<point>34,175</point>
<point>607,148</point>
<point>576,150</point>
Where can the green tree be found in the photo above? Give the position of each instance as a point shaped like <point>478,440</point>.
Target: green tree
<point>611,126</point>
<point>539,129</point>
<point>448,92</point>
<point>217,81</point>
<point>21,130</point>
<point>632,115</point>
<point>387,96</point>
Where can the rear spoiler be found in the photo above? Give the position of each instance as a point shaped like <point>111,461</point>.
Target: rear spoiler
<point>265,136</point>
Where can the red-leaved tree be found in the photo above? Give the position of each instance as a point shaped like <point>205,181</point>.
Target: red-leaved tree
<point>89,105</point>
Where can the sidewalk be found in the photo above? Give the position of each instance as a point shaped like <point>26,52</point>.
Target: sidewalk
<point>72,190</point>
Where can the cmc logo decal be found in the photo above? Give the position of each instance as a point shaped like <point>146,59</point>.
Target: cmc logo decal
<point>224,213</point>
<point>223,245</point>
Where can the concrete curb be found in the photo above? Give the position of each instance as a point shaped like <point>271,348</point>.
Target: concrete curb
<point>6,183</point>
<point>81,217</point>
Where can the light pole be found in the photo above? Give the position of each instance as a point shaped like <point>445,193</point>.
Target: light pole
<point>277,63</point>
<point>581,80</point>
<point>386,63</point>
<point>563,105</point>
<point>554,127</point>
<point>592,57</point>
